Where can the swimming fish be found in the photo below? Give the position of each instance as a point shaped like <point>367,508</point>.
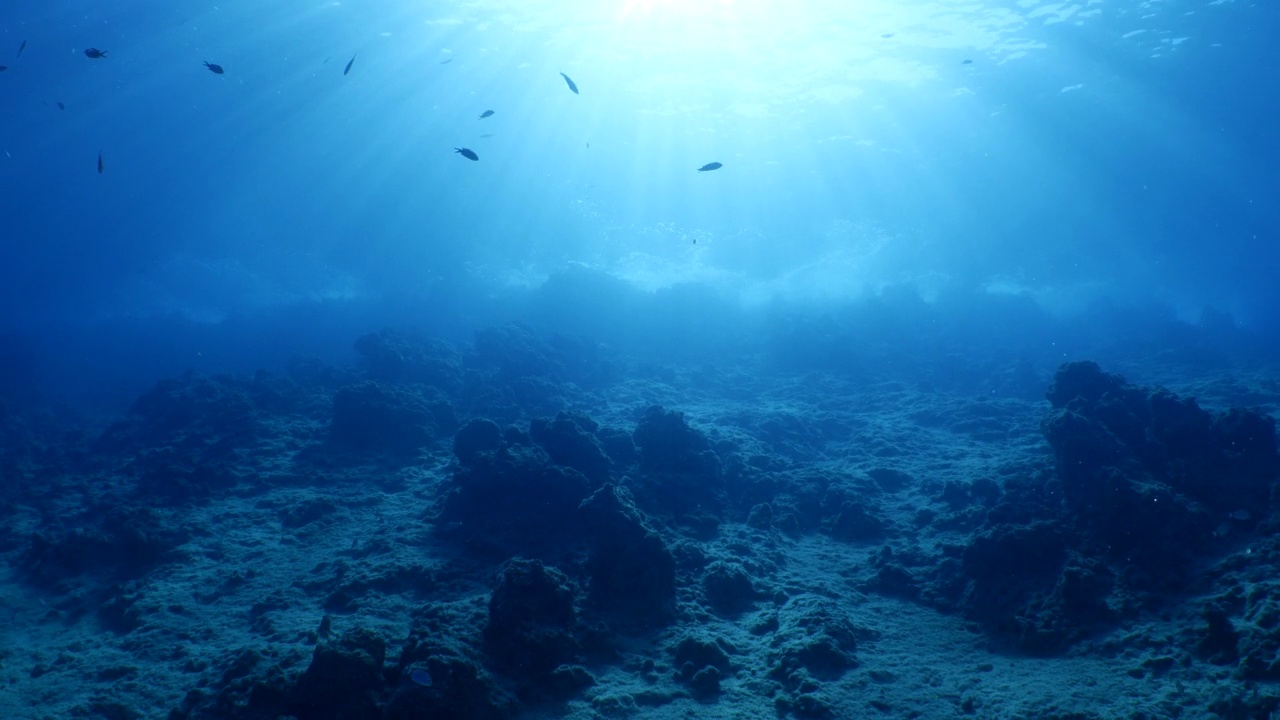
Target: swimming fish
<point>3,68</point>
<point>710,166</point>
<point>22,47</point>
<point>572,86</point>
<point>95,53</point>
<point>215,69</point>
<point>446,61</point>
<point>486,114</point>
<point>347,69</point>
<point>100,165</point>
<point>61,106</point>
<point>420,677</point>
<point>967,62</point>
<point>467,153</point>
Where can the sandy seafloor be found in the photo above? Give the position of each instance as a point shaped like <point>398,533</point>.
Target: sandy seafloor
<point>182,561</point>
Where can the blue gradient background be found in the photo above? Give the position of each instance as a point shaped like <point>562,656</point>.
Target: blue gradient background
<point>1119,153</point>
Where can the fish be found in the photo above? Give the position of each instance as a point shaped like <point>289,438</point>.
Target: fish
<point>967,62</point>
<point>100,165</point>
<point>95,53</point>
<point>467,153</point>
<point>446,61</point>
<point>487,135</point>
<point>61,106</point>
<point>572,85</point>
<point>3,68</point>
<point>710,166</point>
<point>485,114</point>
<point>420,677</point>
<point>347,69</point>
<point>886,36</point>
<point>22,47</point>
<point>215,69</point>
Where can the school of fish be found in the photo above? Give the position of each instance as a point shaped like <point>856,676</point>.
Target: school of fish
<point>94,53</point>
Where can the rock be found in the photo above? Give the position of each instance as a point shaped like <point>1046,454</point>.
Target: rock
<point>633,572</point>
<point>531,621</point>
<point>344,679</point>
<point>395,420</point>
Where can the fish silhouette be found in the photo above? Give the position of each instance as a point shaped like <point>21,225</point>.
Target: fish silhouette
<point>572,85</point>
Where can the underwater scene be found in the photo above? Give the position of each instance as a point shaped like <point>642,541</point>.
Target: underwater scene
<point>639,359</point>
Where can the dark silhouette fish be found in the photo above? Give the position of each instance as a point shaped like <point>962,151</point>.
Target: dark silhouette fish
<point>215,69</point>
<point>347,69</point>
<point>446,61</point>
<point>95,53</point>
<point>100,165</point>
<point>967,62</point>
<point>710,166</point>
<point>22,47</point>
<point>467,153</point>
<point>3,68</point>
<point>61,106</point>
<point>572,85</point>
<point>485,114</point>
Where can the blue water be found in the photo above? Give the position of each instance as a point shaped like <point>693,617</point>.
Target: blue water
<point>1070,152</point>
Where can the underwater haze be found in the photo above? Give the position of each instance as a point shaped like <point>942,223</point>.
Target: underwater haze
<point>1067,152</point>
<point>498,359</point>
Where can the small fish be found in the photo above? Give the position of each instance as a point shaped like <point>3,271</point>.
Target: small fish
<point>22,47</point>
<point>446,61</point>
<point>487,135</point>
<point>95,53</point>
<point>100,165</point>
<point>215,69</point>
<point>710,166</point>
<point>572,85</point>
<point>485,114</point>
<point>886,36</point>
<point>467,153</point>
<point>420,677</point>
<point>3,68</point>
<point>967,62</point>
<point>61,106</point>
<point>350,62</point>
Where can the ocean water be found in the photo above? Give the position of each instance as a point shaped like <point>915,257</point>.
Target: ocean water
<point>875,358</point>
